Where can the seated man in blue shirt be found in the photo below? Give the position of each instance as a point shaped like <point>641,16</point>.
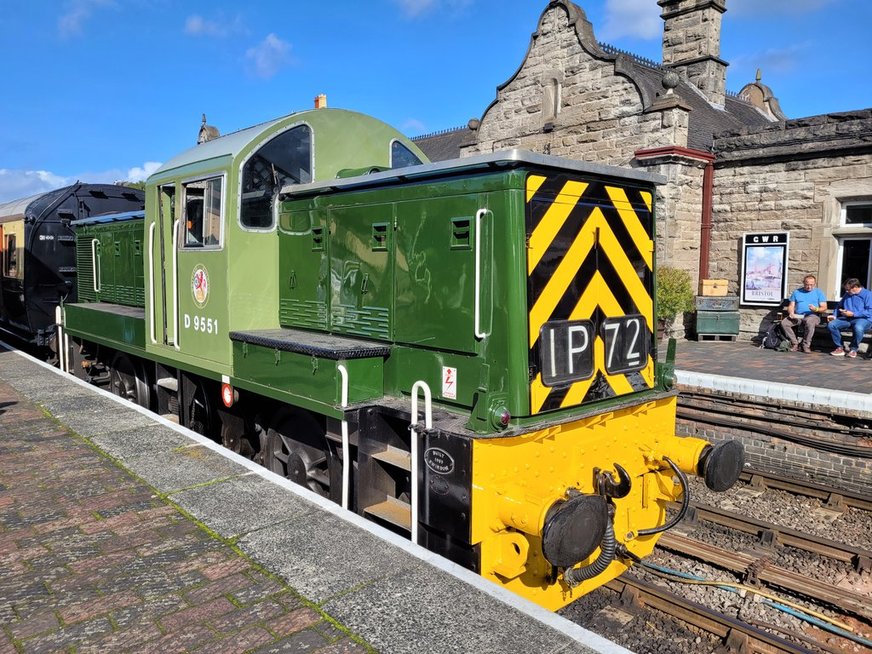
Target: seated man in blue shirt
<point>854,311</point>
<point>805,305</point>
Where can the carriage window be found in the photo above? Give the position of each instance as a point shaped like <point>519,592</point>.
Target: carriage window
<point>10,269</point>
<point>202,219</point>
<point>286,159</point>
<point>401,156</point>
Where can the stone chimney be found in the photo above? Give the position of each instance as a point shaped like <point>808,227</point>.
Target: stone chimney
<point>320,101</point>
<point>692,44</point>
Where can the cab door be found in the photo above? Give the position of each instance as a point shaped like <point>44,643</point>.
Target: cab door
<point>200,300</point>
<point>162,236</point>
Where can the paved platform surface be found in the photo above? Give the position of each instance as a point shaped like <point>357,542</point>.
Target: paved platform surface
<point>744,360</point>
<point>121,532</point>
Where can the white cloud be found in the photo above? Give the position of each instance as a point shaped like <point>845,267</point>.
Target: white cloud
<point>632,18</point>
<point>269,56</point>
<point>17,184</point>
<point>415,8</point>
<point>140,173</point>
<point>413,126</point>
<point>770,7</point>
<point>773,60</point>
<point>219,27</point>
<point>71,23</point>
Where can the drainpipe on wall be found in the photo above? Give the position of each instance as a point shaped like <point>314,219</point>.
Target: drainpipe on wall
<point>705,224</point>
<point>679,155</point>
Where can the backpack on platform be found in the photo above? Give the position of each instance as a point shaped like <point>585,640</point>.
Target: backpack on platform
<point>775,339</point>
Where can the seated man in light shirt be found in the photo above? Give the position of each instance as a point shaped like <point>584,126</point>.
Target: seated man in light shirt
<point>853,312</point>
<point>805,305</point>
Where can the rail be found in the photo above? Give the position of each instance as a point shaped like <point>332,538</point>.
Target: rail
<point>758,569</point>
<point>739,635</point>
<point>860,558</point>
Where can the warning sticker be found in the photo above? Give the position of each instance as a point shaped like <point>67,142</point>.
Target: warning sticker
<point>449,383</point>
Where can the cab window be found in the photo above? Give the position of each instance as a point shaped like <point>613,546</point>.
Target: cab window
<point>285,159</point>
<point>202,214</point>
<point>401,156</point>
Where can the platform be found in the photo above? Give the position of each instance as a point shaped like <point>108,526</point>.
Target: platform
<point>811,378</point>
<point>120,531</point>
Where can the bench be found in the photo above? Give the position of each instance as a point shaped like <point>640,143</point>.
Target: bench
<point>821,339</point>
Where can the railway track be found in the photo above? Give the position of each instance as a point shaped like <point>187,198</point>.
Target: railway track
<point>737,636</point>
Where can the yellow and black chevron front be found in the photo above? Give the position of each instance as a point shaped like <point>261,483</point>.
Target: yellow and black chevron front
<point>589,290</point>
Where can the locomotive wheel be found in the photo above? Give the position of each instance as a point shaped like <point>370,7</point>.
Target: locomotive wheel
<point>296,448</point>
<point>127,380</point>
<point>201,415</point>
<point>237,442</point>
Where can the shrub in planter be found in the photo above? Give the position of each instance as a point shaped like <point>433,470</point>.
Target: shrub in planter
<point>674,295</point>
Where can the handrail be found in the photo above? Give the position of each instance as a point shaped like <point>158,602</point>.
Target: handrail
<point>479,215</point>
<point>176,338</point>
<point>152,333</point>
<point>346,448</point>
<point>95,263</point>
<point>59,338</point>
<point>428,424</point>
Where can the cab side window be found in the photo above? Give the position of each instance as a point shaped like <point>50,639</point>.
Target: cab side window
<point>401,156</point>
<point>202,213</point>
<point>285,159</point>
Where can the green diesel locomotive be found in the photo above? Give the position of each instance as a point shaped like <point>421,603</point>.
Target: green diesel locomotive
<point>462,351</point>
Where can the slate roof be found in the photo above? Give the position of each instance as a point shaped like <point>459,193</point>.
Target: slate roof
<point>446,144</point>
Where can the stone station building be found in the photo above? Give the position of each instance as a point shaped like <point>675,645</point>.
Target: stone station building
<point>734,163</point>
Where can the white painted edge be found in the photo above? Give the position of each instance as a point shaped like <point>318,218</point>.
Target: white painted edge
<point>525,606</point>
<point>776,390</point>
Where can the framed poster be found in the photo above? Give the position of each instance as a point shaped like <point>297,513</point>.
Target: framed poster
<point>764,268</point>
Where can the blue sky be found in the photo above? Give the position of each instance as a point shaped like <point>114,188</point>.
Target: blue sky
<point>100,90</point>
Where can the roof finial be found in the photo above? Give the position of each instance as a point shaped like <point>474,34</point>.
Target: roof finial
<point>207,132</point>
<point>759,75</point>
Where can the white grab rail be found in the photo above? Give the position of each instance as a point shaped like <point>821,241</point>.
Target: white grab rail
<point>346,448</point>
<point>152,327</point>
<point>96,264</point>
<point>428,424</point>
<point>176,338</point>
<point>59,339</point>
<point>479,215</point>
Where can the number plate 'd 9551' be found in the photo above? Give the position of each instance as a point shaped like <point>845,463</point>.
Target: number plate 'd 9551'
<point>566,348</point>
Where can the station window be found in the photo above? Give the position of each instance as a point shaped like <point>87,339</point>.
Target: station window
<point>285,159</point>
<point>202,219</point>
<point>855,250</point>
<point>401,156</point>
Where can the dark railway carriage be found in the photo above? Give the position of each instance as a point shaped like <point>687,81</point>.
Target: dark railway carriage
<point>462,352</point>
<point>37,253</point>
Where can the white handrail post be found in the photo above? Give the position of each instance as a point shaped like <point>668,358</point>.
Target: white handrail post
<point>176,339</point>
<point>428,424</point>
<point>479,215</point>
<point>346,448</point>
<point>152,327</point>
<point>95,263</point>
<point>59,338</point>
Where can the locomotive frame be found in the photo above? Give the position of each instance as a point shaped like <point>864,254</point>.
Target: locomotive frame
<point>513,293</point>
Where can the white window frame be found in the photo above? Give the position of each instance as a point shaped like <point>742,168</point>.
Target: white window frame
<point>182,246</point>
<point>277,203</point>
<point>851,232</point>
